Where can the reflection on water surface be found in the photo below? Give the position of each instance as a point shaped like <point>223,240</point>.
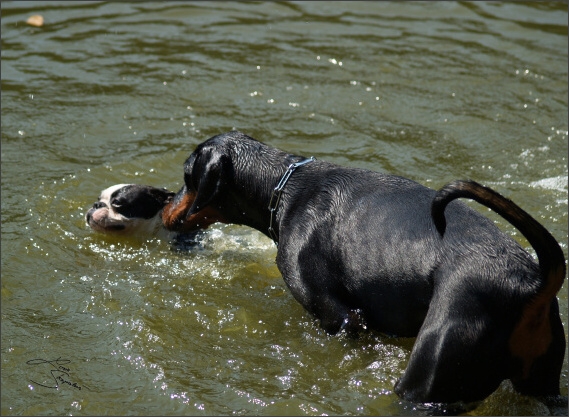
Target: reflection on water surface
<point>107,93</point>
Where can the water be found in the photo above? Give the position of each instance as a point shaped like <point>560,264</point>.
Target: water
<point>109,93</point>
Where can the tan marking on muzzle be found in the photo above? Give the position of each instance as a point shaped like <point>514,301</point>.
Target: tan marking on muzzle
<point>175,216</point>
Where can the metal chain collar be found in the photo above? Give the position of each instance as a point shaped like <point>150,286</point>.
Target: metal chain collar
<point>277,191</point>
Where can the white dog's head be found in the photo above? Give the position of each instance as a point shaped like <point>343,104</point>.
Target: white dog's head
<point>129,209</point>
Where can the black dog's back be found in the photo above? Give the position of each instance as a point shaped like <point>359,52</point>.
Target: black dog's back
<point>376,247</point>
<point>356,211</point>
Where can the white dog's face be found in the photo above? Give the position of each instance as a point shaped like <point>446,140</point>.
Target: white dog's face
<point>129,209</point>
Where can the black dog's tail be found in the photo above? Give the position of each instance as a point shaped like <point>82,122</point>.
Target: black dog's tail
<point>549,254</point>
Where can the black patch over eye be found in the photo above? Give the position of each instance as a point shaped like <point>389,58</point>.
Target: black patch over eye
<point>139,201</point>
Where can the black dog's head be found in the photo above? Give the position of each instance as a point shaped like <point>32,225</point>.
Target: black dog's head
<point>193,206</point>
<point>129,209</point>
<point>228,179</point>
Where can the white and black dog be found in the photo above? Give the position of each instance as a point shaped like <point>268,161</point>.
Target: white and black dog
<point>134,210</point>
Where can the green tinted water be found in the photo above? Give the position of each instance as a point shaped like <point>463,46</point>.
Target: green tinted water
<point>108,93</point>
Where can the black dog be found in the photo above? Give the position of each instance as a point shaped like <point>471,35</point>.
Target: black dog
<point>364,249</point>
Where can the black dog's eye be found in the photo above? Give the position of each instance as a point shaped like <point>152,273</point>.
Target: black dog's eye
<point>116,203</point>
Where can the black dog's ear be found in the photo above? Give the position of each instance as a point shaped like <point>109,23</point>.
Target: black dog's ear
<point>207,176</point>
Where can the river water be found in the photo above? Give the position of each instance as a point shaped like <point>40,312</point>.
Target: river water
<point>107,93</point>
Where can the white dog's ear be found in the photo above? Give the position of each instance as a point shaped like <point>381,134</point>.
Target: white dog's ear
<point>169,196</point>
<point>161,195</point>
